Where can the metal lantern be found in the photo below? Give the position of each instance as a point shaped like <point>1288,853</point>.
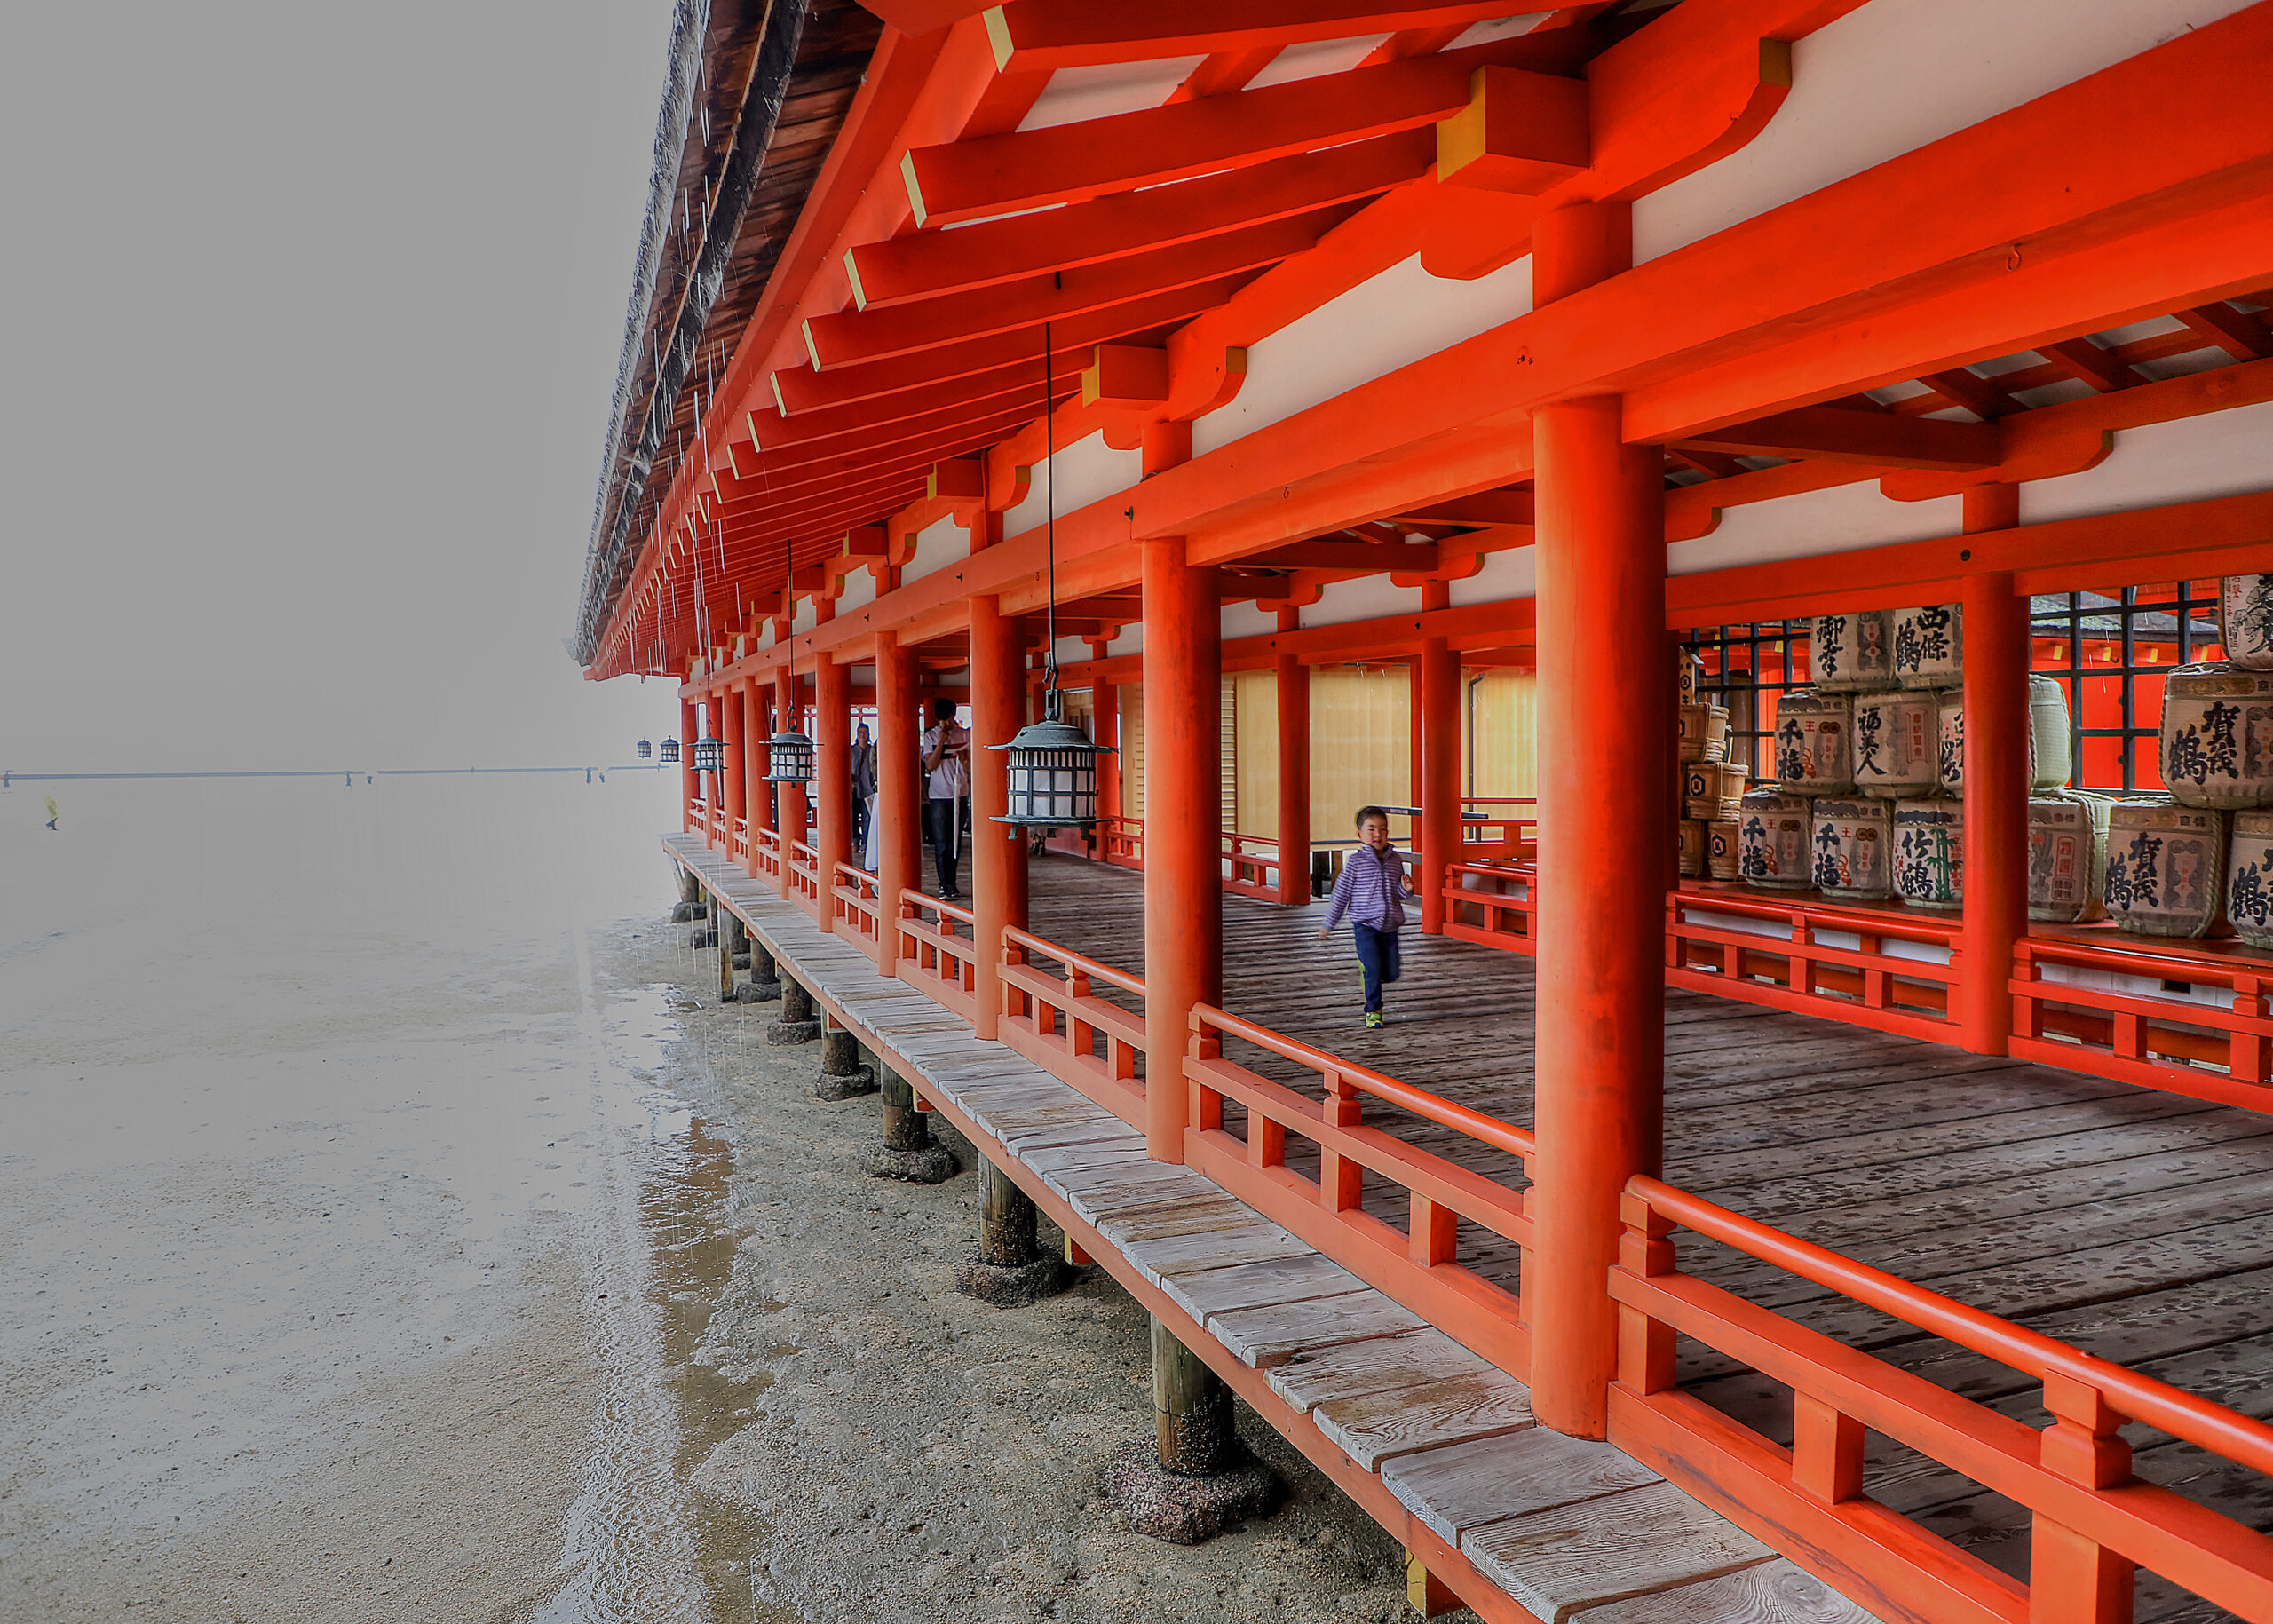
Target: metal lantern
<point>645,750</point>
<point>789,758</point>
<point>670,749</point>
<point>709,756</point>
<point>1053,771</point>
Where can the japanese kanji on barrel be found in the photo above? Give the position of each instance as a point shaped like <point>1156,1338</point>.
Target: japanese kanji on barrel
<point>2166,867</point>
<point>1896,746</point>
<point>2217,735</point>
<point>1852,651</point>
<point>2067,856</point>
<point>2051,754</point>
<point>1929,853</point>
<point>1930,647</point>
<point>2249,878</point>
<point>1853,841</point>
<point>1812,754</point>
<point>2245,614</point>
<point>1774,832</point>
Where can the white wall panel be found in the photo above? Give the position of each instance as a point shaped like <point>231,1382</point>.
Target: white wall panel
<point>2192,460</point>
<point>940,543</point>
<point>1086,470</point>
<point>1365,598</point>
<point>1837,521</point>
<point>1513,573</point>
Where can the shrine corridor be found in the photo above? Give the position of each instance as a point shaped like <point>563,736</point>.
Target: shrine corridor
<point>2133,1224</point>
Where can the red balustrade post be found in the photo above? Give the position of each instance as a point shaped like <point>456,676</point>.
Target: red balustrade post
<point>758,761</point>
<point>687,781</point>
<point>1605,816</point>
<point>2074,1579</point>
<point>790,804</point>
<point>1183,893</point>
<point>1996,785</point>
<point>1293,770</point>
<point>1104,732</point>
<point>732,729</point>
<point>832,734</point>
<point>1440,750</point>
<point>898,791</point>
<point>998,850</point>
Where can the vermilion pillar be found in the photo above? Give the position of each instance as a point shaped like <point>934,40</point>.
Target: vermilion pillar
<point>1996,785</point>
<point>1439,751</point>
<point>791,799</point>
<point>832,734</point>
<point>898,731</point>
<point>1104,732</point>
<point>998,850</point>
<point>1184,900</point>
<point>757,726</point>
<point>1605,819</point>
<point>688,715</point>
<point>732,727</point>
<point>1294,773</point>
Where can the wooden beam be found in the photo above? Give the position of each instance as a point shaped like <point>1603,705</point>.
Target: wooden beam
<point>911,410</point>
<point>1982,397</point>
<point>1882,439</point>
<point>1069,163</point>
<point>1712,465</point>
<point>1368,557</point>
<point>852,337</point>
<point>1501,507</point>
<point>1048,34</point>
<point>923,16</point>
<point>1520,132</point>
<point>2086,361</point>
<point>927,264</point>
<point>2239,334</point>
<point>1125,377</point>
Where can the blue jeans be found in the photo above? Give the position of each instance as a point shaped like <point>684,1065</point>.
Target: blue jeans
<point>1377,955</point>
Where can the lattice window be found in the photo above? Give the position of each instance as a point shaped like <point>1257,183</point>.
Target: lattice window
<point>2109,651</point>
<point>1749,667</point>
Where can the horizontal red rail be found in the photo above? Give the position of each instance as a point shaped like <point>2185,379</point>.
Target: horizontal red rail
<point>856,909</point>
<point>2092,1517</point>
<point>1062,1025</point>
<point>932,955</point>
<point>2148,1037</point>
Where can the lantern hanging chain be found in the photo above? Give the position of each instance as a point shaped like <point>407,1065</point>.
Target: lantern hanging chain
<point>1050,512</point>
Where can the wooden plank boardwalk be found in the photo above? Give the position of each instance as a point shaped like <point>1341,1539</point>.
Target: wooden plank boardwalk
<point>2136,1225</point>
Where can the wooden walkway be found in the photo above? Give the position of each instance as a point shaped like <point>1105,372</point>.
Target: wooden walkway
<point>2133,1224</point>
<point>2136,1225</point>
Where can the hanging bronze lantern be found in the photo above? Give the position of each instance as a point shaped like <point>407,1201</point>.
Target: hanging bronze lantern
<point>709,755</point>
<point>646,750</point>
<point>1053,772</point>
<point>670,749</point>
<point>789,755</point>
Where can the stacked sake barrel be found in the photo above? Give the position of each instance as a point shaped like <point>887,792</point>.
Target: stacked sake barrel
<point>1870,763</point>
<point>1710,783</point>
<point>2198,860</point>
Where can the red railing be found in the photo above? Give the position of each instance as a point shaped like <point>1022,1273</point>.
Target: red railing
<point>1122,841</point>
<point>739,851</point>
<point>1494,903</point>
<point>767,863</point>
<point>932,954</point>
<point>1418,1266</point>
<point>1060,1024</point>
<point>1486,832</point>
<point>1798,970</point>
<point>855,910</point>
<point>2152,1038</point>
<point>805,877</point>
<point>698,819</point>
<point>1251,865</point>
<point>2091,1518</point>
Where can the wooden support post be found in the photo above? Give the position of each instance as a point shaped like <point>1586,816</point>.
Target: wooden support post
<point>1426,1594</point>
<point>731,729</point>
<point>897,792</point>
<point>790,803</point>
<point>998,850</point>
<point>832,734</point>
<point>1192,1408</point>
<point>1294,771</point>
<point>1996,785</point>
<point>758,760</point>
<point>1183,894</point>
<point>687,781</point>
<point>906,1128</point>
<point>1104,731</point>
<point>1440,750</point>
<point>1604,815</point>
<point>1006,1220</point>
<point>723,942</point>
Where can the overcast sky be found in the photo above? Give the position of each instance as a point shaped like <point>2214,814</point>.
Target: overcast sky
<point>311,318</point>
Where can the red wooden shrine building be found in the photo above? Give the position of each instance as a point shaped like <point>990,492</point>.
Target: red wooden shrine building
<point>1253,343</point>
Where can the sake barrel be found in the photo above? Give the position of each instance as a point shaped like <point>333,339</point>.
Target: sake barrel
<point>1704,732</point>
<point>2166,867</point>
<point>1930,647</point>
<point>2067,856</point>
<point>2249,878</point>
<point>2217,735</point>
<point>1853,840</point>
<point>1897,751</point>
<point>1773,832</point>
<point>1929,853</point>
<point>1690,681</point>
<point>1851,651</point>
<point>1711,789</point>
<point>1811,742</point>
<point>1693,849</point>
<point>2245,611</point>
<point>2051,760</point>
<point>1722,848</point>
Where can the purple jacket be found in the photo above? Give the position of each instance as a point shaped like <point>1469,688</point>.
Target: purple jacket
<point>1371,890</point>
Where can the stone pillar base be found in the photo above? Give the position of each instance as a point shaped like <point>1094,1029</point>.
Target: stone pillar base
<point>1013,1285</point>
<point>846,1085</point>
<point>934,1164</point>
<point>1166,1505</point>
<point>686,913</point>
<point>800,1022</point>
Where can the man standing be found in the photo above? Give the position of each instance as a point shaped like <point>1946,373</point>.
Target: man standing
<point>946,767</point>
<point>864,786</point>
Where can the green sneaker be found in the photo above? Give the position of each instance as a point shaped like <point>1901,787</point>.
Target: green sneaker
<point>1374,1017</point>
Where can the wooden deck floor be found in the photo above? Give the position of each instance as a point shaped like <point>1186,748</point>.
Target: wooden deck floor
<point>2133,1224</point>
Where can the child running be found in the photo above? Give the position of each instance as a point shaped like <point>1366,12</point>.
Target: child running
<point>1372,891</point>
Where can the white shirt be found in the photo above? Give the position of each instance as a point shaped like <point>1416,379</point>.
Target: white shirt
<point>950,779</point>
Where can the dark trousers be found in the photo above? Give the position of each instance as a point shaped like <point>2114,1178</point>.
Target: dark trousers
<point>1378,957</point>
<point>939,819</point>
<point>860,826</point>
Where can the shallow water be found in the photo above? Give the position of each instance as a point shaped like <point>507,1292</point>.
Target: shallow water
<point>346,1236</point>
